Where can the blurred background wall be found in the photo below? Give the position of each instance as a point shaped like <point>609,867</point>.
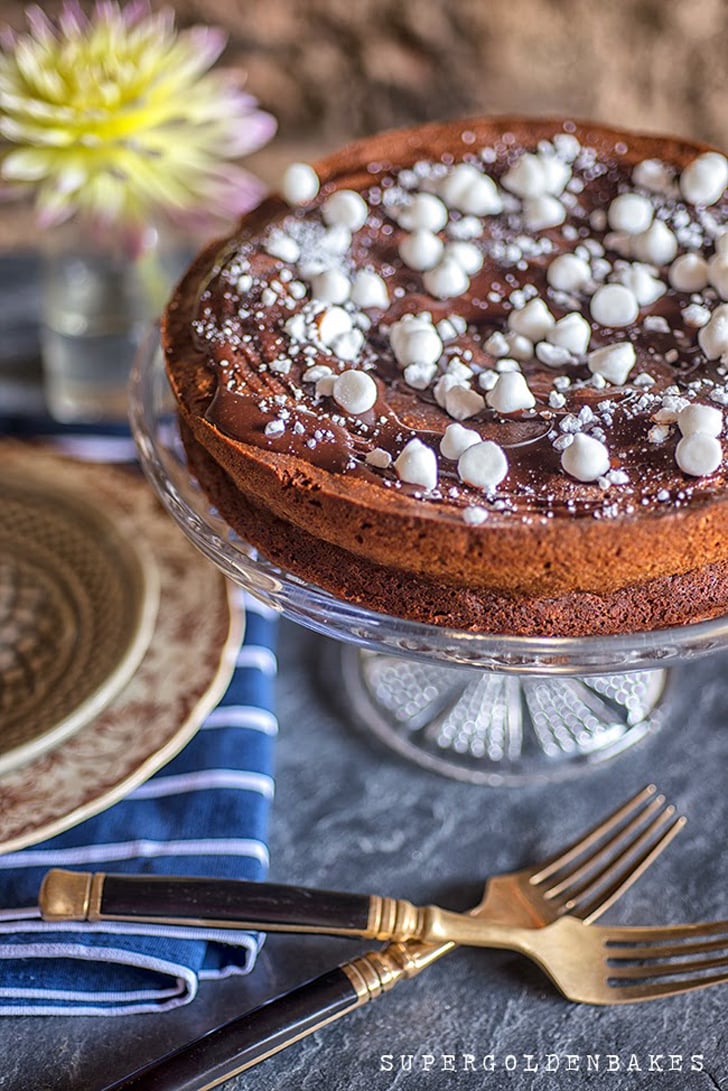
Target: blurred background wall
<point>334,69</point>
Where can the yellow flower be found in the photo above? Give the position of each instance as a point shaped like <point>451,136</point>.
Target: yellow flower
<point>116,115</point>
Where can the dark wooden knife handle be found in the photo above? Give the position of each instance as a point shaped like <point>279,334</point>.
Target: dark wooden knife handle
<point>245,1041</point>
<point>224,903</point>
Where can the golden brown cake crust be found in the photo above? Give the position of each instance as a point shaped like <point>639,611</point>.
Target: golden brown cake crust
<point>561,571</point>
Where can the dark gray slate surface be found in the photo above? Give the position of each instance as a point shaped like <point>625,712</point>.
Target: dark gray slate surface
<point>349,814</point>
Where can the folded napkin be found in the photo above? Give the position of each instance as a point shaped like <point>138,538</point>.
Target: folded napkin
<point>205,813</point>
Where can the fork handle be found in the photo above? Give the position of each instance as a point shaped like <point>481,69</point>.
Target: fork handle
<point>249,1039</point>
<point>224,903</point>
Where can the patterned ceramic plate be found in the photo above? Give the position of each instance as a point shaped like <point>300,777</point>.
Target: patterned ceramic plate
<point>77,607</point>
<point>177,683</point>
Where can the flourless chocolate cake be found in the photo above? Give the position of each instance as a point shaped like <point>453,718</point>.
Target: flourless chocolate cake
<point>475,374</point>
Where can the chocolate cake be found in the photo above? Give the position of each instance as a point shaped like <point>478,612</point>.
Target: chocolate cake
<point>475,374</point>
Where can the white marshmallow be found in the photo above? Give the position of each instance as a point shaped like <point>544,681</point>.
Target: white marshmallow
<point>631,213</point>
<point>461,402</point>
<point>506,364</point>
<point>703,181</point>
<point>613,362</point>
<point>542,212</point>
<point>553,355</point>
<point>614,305</point>
<point>318,371</point>
<point>444,385</point>
<point>452,327</point>
<point>721,243</point>
<point>345,207</point>
<point>447,280</point>
<point>419,376</point>
<point>657,245</point>
<point>369,290</point>
<point>556,172</point>
<point>700,418</point>
<point>586,458</point>
<point>417,465</point>
<point>332,323</point>
<point>415,340</point>
<point>379,458</point>
<point>532,321</point>
<point>468,257</point>
<point>455,183</point>
<point>300,184</point>
<point>348,345</point>
<point>282,246</point>
<point>571,332</point>
<point>645,287</point>
<point>688,273</point>
<point>331,286</point>
<point>568,273</point>
<point>713,337</point>
<point>426,211</point>
<point>510,393</point>
<point>698,454</point>
<point>718,274</point>
<point>355,391</point>
<point>536,175</point>
<point>464,188</point>
<point>336,239</point>
<point>483,465</point>
<point>652,174</point>
<point>496,344</point>
<point>456,439</point>
<point>421,250</point>
<point>518,346</point>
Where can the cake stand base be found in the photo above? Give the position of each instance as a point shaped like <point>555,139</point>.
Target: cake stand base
<point>490,728</point>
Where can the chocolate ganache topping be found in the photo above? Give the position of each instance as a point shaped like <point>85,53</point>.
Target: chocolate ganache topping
<point>510,329</point>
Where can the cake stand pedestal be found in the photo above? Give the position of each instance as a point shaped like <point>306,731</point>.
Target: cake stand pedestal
<point>483,708</point>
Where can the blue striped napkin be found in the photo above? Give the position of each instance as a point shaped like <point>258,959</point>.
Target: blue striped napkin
<point>205,813</point>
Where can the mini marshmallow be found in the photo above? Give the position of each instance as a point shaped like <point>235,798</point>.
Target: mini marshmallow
<point>614,305</point>
<point>331,286</point>
<point>455,183</point>
<point>698,454</point>
<point>571,332</point>
<point>510,393</point>
<point>652,174</point>
<point>348,345</point>
<point>456,439</point>
<point>336,239</point>
<point>443,386</point>
<point>421,250</point>
<point>657,245</point>
<point>586,458</point>
<point>527,177</point>
<point>496,344</point>
<point>700,418</point>
<point>318,371</point>
<point>300,184</point>
<point>469,191</point>
<point>713,337</point>
<point>567,273</point>
<point>688,273</point>
<point>553,355</point>
<point>446,280</point>
<point>426,211</point>
<point>417,465</point>
<point>613,362</point>
<point>506,364</point>
<point>556,172</point>
<point>718,274</point>
<point>369,290</point>
<point>452,327</point>
<point>631,213</point>
<point>532,321</point>
<point>282,246</point>
<point>379,458</point>
<point>483,465</point>
<point>540,213</point>
<point>645,287</point>
<point>518,346</point>
<point>355,391</point>
<point>345,207</point>
<point>415,340</point>
<point>468,257</point>
<point>704,180</point>
<point>331,323</point>
<point>419,376</point>
<point>461,402</point>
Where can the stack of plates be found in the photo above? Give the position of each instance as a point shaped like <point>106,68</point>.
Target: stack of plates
<point>100,683</point>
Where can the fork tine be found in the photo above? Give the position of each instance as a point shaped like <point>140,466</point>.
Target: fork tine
<point>674,950</point>
<point>615,867</point>
<point>632,994</point>
<point>667,969</point>
<point>629,875</point>
<point>594,835</point>
<point>607,849</point>
<point>622,938</point>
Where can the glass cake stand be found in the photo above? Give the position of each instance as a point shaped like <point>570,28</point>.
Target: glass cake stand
<point>483,708</point>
